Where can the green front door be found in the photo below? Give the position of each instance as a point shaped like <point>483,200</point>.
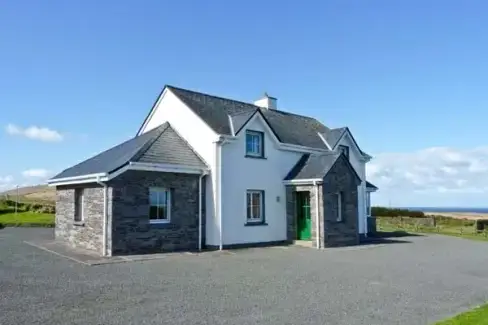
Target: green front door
<point>304,222</point>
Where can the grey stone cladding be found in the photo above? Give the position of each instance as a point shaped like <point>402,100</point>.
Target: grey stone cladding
<point>340,178</point>
<point>131,231</point>
<point>88,233</point>
<point>291,209</point>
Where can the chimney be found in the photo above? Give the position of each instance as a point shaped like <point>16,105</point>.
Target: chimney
<point>267,102</point>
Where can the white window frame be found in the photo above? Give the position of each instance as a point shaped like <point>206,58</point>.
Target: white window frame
<point>79,204</point>
<point>260,137</point>
<point>261,210</point>
<point>339,206</point>
<point>167,191</point>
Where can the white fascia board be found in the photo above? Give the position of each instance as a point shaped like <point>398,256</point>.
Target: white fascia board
<point>103,177</point>
<point>268,129</point>
<point>79,181</point>
<point>325,141</point>
<point>153,109</point>
<point>88,178</point>
<point>310,181</point>
<point>301,149</point>
<point>365,157</point>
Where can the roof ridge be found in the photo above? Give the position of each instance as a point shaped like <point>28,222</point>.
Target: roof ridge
<point>243,102</point>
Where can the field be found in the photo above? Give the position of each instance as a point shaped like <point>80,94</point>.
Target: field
<point>27,219</point>
<point>461,215</point>
<point>32,194</point>
<point>444,226</point>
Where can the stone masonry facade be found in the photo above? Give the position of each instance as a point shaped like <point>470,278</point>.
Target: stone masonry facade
<point>341,178</point>
<point>332,233</point>
<point>131,231</point>
<point>291,209</point>
<point>88,233</point>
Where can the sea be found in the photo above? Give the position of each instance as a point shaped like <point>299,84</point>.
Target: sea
<point>449,209</point>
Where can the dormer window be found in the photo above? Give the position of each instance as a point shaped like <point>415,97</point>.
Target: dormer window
<point>254,144</point>
<point>344,150</point>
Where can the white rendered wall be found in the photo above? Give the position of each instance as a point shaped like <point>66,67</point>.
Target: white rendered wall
<point>240,174</point>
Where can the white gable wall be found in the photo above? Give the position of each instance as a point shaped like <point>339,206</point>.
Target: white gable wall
<point>240,174</point>
<point>201,137</point>
<point>360,166</point>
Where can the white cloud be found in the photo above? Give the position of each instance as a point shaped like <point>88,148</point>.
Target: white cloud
<point>35,133</point>
<point>36,172</point>
<point>439,176</point>
<point>6,181</point>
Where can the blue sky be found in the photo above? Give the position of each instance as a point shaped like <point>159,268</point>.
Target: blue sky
<point>408,77</point>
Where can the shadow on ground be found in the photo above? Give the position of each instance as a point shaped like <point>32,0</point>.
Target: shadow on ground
<point>389,237</point>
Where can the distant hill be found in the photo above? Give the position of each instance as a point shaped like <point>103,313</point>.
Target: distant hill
<point>36,193</point>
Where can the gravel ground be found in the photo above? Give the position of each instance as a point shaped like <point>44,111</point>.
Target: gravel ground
<point>416,282</point>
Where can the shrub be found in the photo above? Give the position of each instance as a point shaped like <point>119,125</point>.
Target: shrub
<point>481,224</point>
<point>393,212</point>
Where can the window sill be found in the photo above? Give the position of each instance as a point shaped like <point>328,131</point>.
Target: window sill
<point>79,223</point>
<point>255,157</point>
<point>160,224</point>
<point>253,224</point>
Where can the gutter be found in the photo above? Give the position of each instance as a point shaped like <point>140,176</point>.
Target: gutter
<point>105,216</point>
<point>317,223</point>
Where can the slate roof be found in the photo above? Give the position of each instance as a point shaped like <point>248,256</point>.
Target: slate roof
<point>370,185</point>
<point>220,112</point>
<point>332,136</point>
<point>315,166</point>
<point>161,145</point>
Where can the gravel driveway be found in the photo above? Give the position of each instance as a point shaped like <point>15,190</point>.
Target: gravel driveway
<point>415,282</point>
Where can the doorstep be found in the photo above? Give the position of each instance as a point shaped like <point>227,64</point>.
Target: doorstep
<point>303,243</point>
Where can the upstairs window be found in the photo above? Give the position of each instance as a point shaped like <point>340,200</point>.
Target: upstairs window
<point>344,150</point>
<point>254,144</point>
<point>79,203</point>
<point>159,205</point>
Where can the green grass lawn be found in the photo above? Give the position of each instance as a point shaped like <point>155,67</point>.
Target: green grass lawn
<point>27,219</point>
<point>477,316</point>
<point>456,231</point>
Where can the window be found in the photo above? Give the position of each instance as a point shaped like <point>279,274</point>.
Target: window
<point>344,150</point>
<point>254,144</point>
<point>255,206</point>
<point>338,196</point>
<point>79,203</point>
<point>368,204</point>
<point>159,205</point>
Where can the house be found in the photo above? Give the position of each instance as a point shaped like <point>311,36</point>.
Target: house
<point>211,172</point>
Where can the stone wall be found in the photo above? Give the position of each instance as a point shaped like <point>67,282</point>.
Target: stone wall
<point>291,209</point>
<point>86,234</point>
<point>131,231</point>
<point>341,178</point>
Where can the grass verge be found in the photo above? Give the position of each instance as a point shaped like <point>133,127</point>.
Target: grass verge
<point>477,316</point>
<point>456,231</point>
<point>27,219</point>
